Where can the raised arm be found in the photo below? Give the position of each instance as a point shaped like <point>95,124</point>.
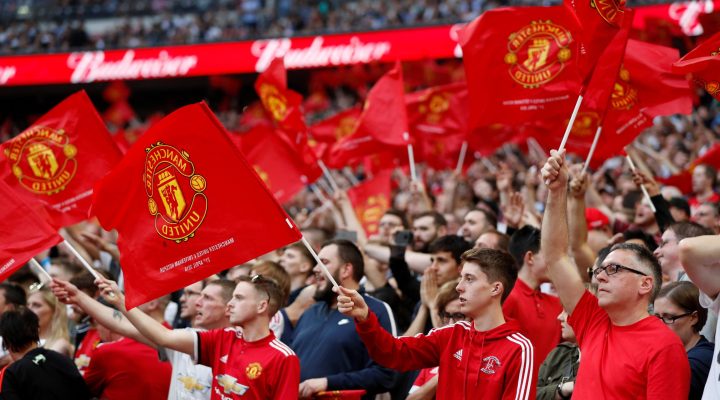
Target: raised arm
<point>176,339</point>
<point>700,256</point>
<point>68,293</point>
<point>554,239</point>
<point>582,253</point>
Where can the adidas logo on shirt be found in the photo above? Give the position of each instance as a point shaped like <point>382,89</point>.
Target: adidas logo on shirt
<point>344,321</point>
<point>458,355</point>
<point>223,359</point>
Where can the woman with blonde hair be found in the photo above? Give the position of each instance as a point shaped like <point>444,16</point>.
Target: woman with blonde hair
<point>53,319</point>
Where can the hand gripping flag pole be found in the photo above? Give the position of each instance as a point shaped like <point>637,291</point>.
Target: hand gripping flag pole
<point>84,262</point>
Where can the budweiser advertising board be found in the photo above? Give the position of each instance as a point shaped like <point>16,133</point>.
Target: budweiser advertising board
<point>230,58</point>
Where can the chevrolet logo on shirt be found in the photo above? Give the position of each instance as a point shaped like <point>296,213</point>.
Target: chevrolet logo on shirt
<point>230,385</point>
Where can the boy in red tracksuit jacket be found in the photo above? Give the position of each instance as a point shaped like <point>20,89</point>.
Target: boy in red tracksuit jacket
<point>486,358</point>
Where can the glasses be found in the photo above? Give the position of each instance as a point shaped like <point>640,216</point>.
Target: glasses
<point>670,319</point>
<point>453,316</point>
<point>613,269</point>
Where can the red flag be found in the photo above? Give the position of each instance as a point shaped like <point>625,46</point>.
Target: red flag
<point>595,99</point>
<point>282,104</point>
<point>25,231</point>
<point>384,116</point>
<point>600,21</point>
<point>378,162</point>
<point>276,163</point>
<point>683,180</point>
<point>439,110</point>
<point>337,127</point>
<point>521,66</point>
<point>252,116</point>
<point>187,205</point>
<point>704,64</point>
<point>371,199</point>
<point>645,88</point>
<point>440,152</point>
<point>59,158</point>
<point>383,122</point>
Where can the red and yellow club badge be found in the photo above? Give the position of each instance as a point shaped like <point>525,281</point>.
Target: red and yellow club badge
<point>263,175</point>
<point>434,107</point>
<point>42,159</point>
<point>624,96</point>
<point>345,127</point>
<point>610,10</point>
<point>253,370</point>
<point>175,192</point>
<point>274,101</point>
<point>537,53</point>
<point>585,123</point>
<point>371,211</point>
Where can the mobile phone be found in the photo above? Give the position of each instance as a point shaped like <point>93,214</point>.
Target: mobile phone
<point>346,235</point>
<point>403,238</point>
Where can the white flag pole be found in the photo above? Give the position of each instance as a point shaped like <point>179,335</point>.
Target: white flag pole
<point>592,149</point>
<point>461,158</point>
<point>320,263</point>
<point>82,260</point>
<point>39,270</point>
<point>411,157</point>
<point>642,187</point>
<point>570,123</point>
<point>329,177</point>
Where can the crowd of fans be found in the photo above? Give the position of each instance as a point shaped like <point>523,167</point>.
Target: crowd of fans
<point>67,25</point>
<point>410,284</point>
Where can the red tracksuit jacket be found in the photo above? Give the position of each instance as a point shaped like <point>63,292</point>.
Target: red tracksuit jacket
<point>495,364</point>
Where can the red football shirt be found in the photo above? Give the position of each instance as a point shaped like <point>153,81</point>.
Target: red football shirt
<point>645,360</point>
<point>85,350</point>
<point>263,369</point>
<point>126,369</point>
<point>536,313</point>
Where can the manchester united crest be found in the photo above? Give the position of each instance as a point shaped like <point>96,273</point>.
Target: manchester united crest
<point>611,11</point>
<point>371,212</point>
<point>345,127</point>
<point>624,96</point>
<point>435,106</point>
<point>175,192</point>
<point>274,101</point>
<point>537,53</point>
<point>585,123</point>
<point>253,370</point>
<point>43,159</point>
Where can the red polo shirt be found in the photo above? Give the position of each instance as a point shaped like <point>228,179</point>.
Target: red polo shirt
<point>536,313</point>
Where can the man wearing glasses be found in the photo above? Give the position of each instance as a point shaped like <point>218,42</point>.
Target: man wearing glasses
<point>626,352</point>
<point>247,363</point>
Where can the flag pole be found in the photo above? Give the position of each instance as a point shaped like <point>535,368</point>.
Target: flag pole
<point>85,264</point>
<point>320,263</point>
<point>592,149</point>
<point>39,270</point>
<point>348,173</point>
<point>461,158</point>
<point>570,123</point>
<point>319,194</point>
<point>329,177</point>
<point>82,260</point>
<point>411,157</point>
<point>642,187</point>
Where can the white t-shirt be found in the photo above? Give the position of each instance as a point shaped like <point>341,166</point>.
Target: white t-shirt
<point>712,386</point>
<point>189,381</point>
